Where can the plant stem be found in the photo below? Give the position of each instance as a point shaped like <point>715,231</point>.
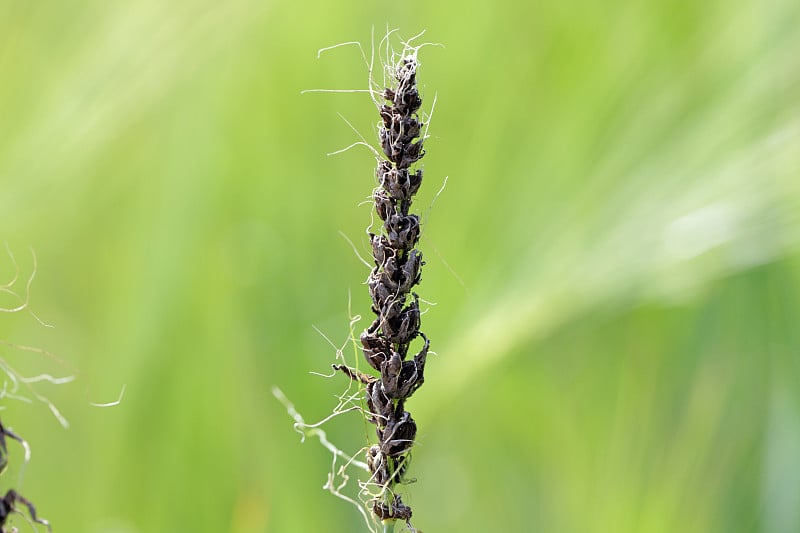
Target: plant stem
<point>388,526</point>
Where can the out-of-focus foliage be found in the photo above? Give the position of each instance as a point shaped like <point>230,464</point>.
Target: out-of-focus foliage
<point>613,260</point>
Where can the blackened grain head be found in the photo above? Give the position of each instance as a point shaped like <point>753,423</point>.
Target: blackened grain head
<point>396,510</point>
<point>377,349</point>
<point>403,328</point>
<point>397,270</point>
<point>402,231</point>
<point>384,204</point>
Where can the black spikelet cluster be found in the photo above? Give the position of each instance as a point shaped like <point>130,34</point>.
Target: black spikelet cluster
<point>9,502</point>
<point>396,272</point>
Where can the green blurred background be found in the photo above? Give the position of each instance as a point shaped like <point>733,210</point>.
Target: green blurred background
<point>614,261</point>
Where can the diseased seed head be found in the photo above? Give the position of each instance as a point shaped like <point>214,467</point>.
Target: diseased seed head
<point>398,265</point>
